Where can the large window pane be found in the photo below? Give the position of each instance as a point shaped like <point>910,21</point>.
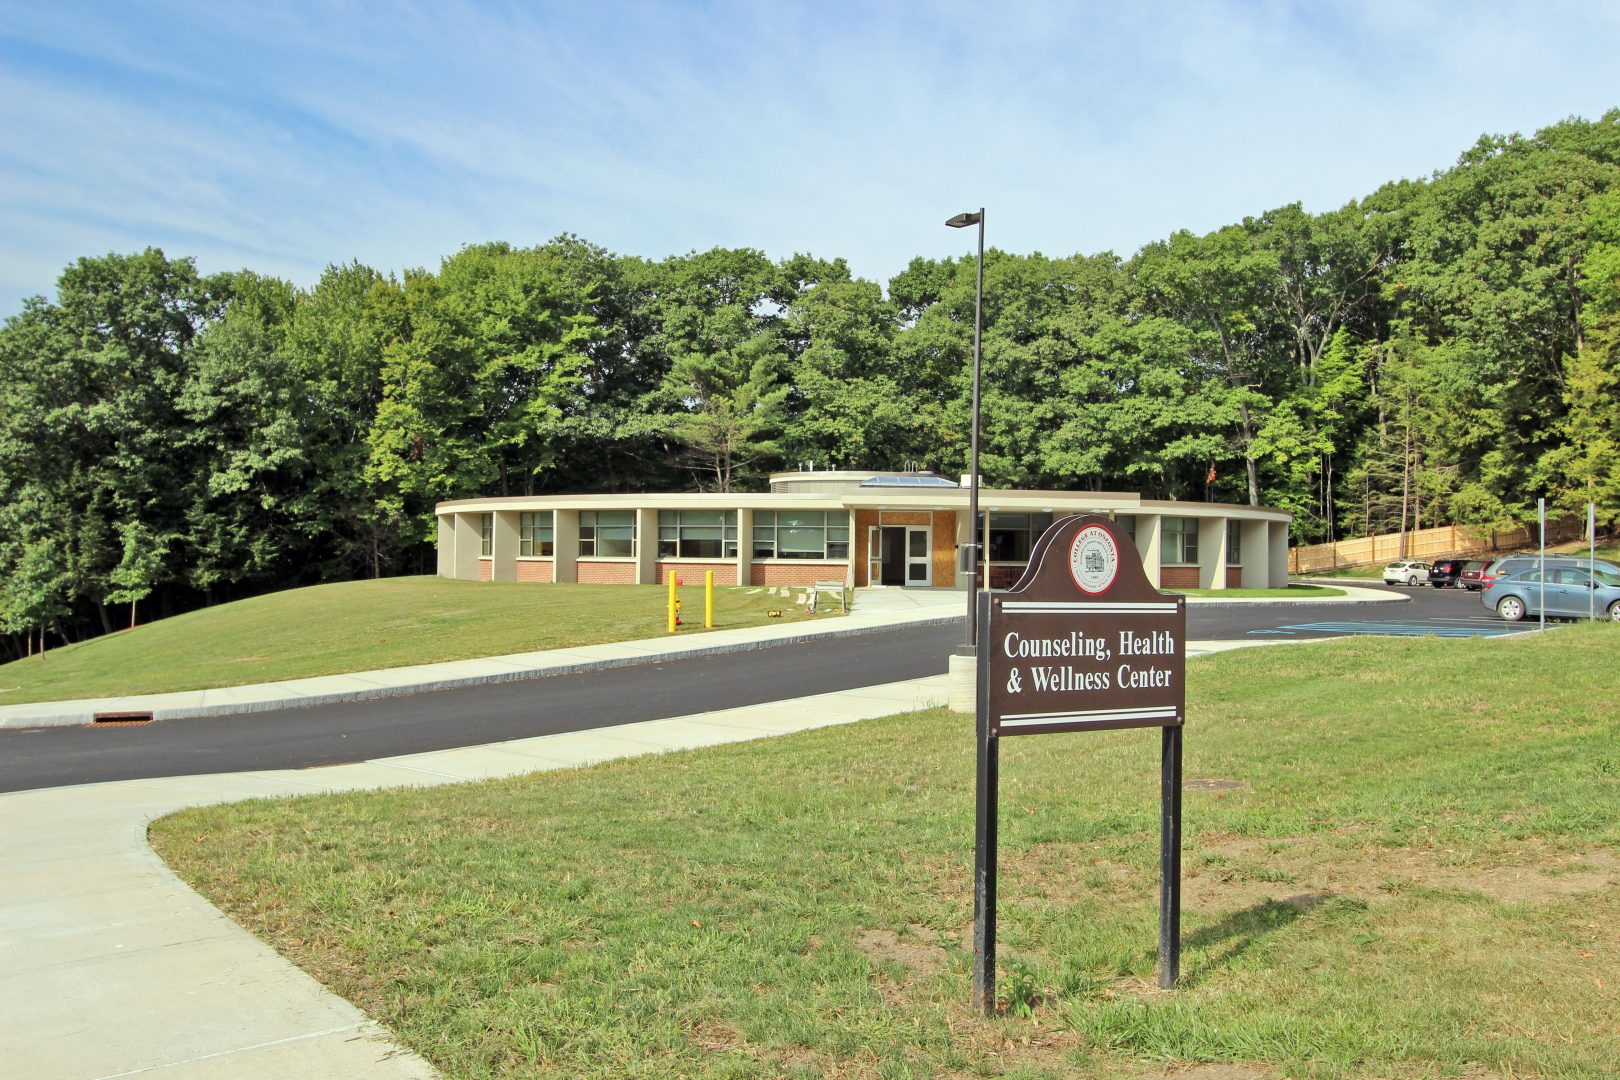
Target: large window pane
<point>607,534</point>
<point>534,533</point>
<point>800,543</point>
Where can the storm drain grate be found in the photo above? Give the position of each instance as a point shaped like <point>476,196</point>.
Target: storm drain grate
<point>121,719</point>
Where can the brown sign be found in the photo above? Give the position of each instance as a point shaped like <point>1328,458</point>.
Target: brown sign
<point>1083,641</point>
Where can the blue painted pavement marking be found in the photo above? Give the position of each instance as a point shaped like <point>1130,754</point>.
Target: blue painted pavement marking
<point>1408,629</point>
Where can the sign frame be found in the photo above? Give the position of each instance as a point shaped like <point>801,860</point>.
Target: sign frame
<point>1085,580</point>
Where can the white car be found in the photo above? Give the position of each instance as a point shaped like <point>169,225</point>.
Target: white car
<point>1406,572</point>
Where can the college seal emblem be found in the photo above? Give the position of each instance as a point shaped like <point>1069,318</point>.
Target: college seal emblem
<point>1093,559</point>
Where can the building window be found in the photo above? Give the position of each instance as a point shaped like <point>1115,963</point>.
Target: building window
<point>607,534</point>
<point>534,533</point>
<point>1128,523</point>
<point>801,534</point>
<point>1180,540</point>
<point>697,534</point>
<point>1012,536</point>
<point>486,534</point>
<point>1234,543</point>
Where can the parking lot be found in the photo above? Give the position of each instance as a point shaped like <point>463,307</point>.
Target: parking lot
<point>1429,612</point>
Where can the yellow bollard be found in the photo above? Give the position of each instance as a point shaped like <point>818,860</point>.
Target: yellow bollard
<point>672,603</point>
<point>708,599</point>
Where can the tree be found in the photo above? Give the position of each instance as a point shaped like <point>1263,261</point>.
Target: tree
<point>1222,287</point>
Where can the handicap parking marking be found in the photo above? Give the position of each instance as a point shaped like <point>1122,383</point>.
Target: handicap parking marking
<point>1387,629</point>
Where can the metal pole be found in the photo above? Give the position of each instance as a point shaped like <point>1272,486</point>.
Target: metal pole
<point>1541,517</point>
<point>973,457</point>
<point>985,815</point>
<point>1170,857</point>
<point>1591,560</point>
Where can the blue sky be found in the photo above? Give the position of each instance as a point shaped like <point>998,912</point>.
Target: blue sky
<point>283,137</point>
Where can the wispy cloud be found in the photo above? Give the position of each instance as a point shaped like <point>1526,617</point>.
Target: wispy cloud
<point>285,137</point>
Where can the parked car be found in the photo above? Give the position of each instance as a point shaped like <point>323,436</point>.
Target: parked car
<point>1571,592</point>
<point>1406,572</point>
<point>1446,572</point>
<point>1470,575</point>
<point>1518,564</point>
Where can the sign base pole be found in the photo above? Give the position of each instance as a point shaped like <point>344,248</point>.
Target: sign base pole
<point>986,815</point>
<point>1170,857</point>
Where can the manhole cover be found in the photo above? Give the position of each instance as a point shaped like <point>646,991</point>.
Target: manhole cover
<point>1215,785</point>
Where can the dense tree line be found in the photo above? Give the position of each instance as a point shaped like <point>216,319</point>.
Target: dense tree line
<point>1446,349</point>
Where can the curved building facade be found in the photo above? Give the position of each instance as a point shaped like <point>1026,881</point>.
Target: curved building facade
<point>867,529</point>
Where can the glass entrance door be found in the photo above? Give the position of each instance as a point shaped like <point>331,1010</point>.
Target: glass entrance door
<point>919,556</point>
<point>874,556</point>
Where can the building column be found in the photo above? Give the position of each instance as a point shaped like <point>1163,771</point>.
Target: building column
<point>504,546</point>
<point>469,542</point>
<point>1256,539</point>
<point>1212,553</point>
<point>565,545</point>
<point>1150,547</point>
<point>1278,553</point>
<point>447,545</point>
<point>745,545</point>
<point>646,546</point>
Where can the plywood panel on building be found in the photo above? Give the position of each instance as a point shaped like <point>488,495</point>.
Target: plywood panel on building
<point>944,548</point>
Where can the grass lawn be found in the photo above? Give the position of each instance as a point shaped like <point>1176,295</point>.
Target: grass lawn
<point>1415,876</point>
<point>362,625</point>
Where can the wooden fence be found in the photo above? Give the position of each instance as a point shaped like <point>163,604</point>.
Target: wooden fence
<point>1428,544</point>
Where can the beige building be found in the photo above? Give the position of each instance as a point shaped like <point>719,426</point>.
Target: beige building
<point>865,528</point>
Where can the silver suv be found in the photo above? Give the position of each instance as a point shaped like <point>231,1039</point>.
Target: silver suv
<point>1515,565</point>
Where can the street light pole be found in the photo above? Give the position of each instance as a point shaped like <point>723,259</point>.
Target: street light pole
<point>962,221</point>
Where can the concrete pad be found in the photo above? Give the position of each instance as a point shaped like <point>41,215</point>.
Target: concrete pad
<point>162,1005</point>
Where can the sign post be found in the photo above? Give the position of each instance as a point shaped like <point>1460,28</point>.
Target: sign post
<point>1083,642</point>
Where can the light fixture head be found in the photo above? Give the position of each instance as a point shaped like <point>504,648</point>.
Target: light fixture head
<point>962,221</point>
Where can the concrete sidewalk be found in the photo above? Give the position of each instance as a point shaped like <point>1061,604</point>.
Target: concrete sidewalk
<point>110,966</point>
<point>874,610</point>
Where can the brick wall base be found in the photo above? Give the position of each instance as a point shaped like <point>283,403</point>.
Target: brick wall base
<point>692,573</point>
<point>1178,577</point>
<point>486,569</point>
<point>1234,577</point>
<point>792,573</point>
<point>607,573</point>
<point>535,570</point>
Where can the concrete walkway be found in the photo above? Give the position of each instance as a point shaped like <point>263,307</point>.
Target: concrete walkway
<point>873,610</point>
